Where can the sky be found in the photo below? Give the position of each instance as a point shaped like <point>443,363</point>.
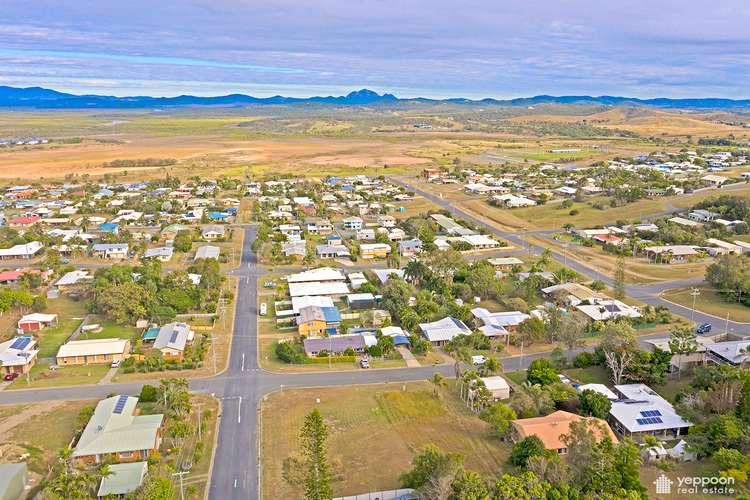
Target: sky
<point>427,48</point>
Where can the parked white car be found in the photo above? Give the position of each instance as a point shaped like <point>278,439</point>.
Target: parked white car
<point>478,360</point>
<point>263,309</point>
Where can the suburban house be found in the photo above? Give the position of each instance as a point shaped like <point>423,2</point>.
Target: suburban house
<point>24,220</point>
<point>335,345</point>
<point>213,232</point>
<point>671,253</point>
<point>36,321</point>
<point>735,353</point>
<point>498,324</point>
<point>480,241</point>
<point>640,410</point>
<point>354,223</point>
<point>207,252</point>
<point>600,388</point>
<point>331,251</point>
<point>505,263</point>
<point>18,355</point>
<point>439,332</point>
<point>572,293</point>
<point>513,201</point>
<point>360,301</point>
<point>70,279</point>
<point>714,180</point>
<point>606,309</point>
<point>552,427</point>
<point>122,479</point>
<point>110,250</point>
<point>319,226</point>
<point>163,254</point>
<point>23,251</point>
<point>116,433</point>
<point>365,235</point>
<point>172,339</point>
<point>296,249</point>
<point>374,250</point>
<point>93,351</point>
<point>702,215</point>
<point>410,248</point>
<point>317,321</point>
<point>498,387</point>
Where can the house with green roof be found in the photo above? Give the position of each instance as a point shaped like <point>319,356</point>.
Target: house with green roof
<point>123,479</point>
<point>116,432</point>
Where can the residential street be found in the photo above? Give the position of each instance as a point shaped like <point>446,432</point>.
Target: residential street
<point>236,467</point>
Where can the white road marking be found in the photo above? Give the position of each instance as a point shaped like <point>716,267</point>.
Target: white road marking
<point>239,411</point>
<point>235,482</point>
<point>243,362</point>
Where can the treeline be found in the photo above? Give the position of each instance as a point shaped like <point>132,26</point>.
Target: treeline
<point>145,162</point>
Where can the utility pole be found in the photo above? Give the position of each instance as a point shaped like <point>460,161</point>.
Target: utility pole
<point>182,489</point>
<point>694,294</point>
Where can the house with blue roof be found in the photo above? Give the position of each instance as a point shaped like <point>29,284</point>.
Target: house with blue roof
<point>109,227</point>
<point>220,216</point>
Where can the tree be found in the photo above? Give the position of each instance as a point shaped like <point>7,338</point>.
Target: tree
<point>618,346</point>
<point>571,333</point>
<point>430,463</point>
<point>682,341</point>
<point>149,394</point>
<point>499,416</point>
<point>525,486</point>
<point>528,447</point>
<point>491,366</point>
<point>125,303</point>
<point>541,372</point>
<point>618,288</point>
<point>532,330</point>
<point>156,488</point>
<point>468,485</point>
<point>313,436</point>
<point>437,381</point>
<point>730,273</point>
<point>183,241</point>
<point>594,404</point>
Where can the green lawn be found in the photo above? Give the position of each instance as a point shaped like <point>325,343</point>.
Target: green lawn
<point>110,330</point>
<point>709,301</point>
<point>67,310</point>
<point>590,375</point>
<point>41,376</point>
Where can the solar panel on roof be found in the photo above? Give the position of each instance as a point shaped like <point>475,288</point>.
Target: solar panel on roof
<point>173,338</point>
<point>20,343</point>
<point>649,420</point>
<point>651,413</point>
<point>120,404</point>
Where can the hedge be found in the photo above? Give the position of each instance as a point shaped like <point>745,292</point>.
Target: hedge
<point>332,359</point>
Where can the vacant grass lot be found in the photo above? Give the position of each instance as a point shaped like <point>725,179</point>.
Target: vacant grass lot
<point>375,431</point>
<point>70,313</point>
<point>41,376</point>
<point>711,302</point>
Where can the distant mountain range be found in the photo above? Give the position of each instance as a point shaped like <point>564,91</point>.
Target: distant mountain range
<point>41,98</point>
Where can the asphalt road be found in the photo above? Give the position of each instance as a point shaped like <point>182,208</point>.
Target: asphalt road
<point>648,294</point>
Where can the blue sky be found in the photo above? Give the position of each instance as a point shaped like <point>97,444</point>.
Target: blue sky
<point>436,48</point>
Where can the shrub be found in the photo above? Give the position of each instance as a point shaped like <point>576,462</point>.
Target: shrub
<point>148,394</point>
<point>584,360</point>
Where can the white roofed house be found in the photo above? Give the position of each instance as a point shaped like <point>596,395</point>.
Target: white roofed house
<point>498,387</point>
<point>440,332</point>
<point>172,339</point>
<point>36,321</point>
<point>319,274</point>
<point>410,248</point>
<point>332,251</point>
<point>18,354</point>
<point>606,309</point>
<point>513,201</point>
<point>213,232</point>
<point>480,241</point>
<point>498,324</point>
<point>23,251</point>
<point>640,411</point>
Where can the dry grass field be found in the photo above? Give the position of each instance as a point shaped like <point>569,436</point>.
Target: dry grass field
<point>373,435</point>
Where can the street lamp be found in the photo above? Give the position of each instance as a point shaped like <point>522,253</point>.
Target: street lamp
<point>694,294</point>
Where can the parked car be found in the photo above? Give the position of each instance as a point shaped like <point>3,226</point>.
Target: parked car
<point>263,309</point>
<point>10,376</point>
<point>563,378</point>
<point>115,363</point>
<point>364,363</point>
<point>704,328</point>
<point>478,360</point>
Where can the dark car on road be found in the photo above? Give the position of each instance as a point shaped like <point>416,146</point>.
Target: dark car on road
<point>704,328</point>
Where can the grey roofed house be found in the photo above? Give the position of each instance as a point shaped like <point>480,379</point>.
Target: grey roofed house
<point>731,353</point>
<point>410,246</point>
<point>123,479</point>
<point>207,252</point>
<point>173,336</point>
<point>13,478</point>
<point>450,226</point>
<point>213,231</point>
<point>443,330</point>
<point>384,274</point>
<point>113,428</point>
<point>335,344</point>
<point>332,251</point>
<point>159,252</point>
<point>296,248</point>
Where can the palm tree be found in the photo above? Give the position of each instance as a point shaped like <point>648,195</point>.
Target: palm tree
<point>460,354</point>
<point>437,382</point>
<point>491,366</point>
